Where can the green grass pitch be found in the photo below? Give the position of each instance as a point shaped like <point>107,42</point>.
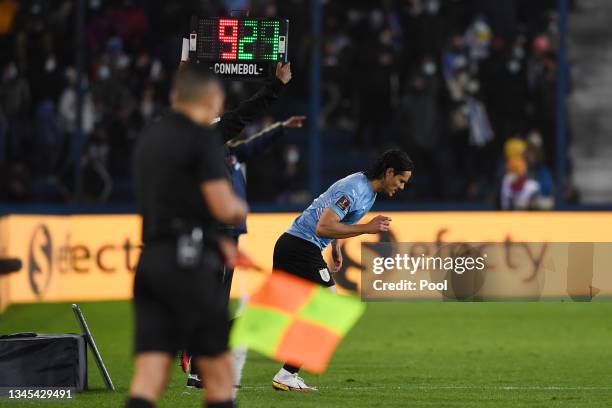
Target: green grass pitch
<point>549,354</point>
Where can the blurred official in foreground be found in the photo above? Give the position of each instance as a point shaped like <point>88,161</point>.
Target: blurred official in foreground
<point>181,189</point>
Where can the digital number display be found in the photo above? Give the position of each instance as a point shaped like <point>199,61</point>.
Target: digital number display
<point>241,39</point>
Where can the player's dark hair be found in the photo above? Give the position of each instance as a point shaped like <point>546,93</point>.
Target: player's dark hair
<point>191,81</point>
<point>394,159</point>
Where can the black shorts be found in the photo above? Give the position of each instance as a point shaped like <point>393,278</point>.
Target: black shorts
<point>179,308</point>
<point>302,258</point>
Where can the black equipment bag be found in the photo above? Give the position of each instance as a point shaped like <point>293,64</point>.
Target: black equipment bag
<point>50,360</point>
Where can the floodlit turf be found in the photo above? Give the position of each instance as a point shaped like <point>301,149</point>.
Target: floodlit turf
<point>548,354</point>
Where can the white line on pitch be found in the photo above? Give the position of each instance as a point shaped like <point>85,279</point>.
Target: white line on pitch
<point>446,387</point>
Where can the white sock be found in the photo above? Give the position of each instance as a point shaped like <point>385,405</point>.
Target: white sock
<point>240,355</point>
<point>283,373</point>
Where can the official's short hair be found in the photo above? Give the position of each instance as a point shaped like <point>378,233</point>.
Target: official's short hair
<point>190,82</point>
<point>394,159</point>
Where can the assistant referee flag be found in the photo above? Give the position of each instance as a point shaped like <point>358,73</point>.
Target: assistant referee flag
<point>295,321</point>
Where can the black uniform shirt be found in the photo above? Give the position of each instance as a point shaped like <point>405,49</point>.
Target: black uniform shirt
<point>173,157</point>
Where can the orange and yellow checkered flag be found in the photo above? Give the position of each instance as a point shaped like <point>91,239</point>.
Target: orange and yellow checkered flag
<point>296,321</point>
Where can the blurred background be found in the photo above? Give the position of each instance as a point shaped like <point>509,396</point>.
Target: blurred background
<point>502,104</point>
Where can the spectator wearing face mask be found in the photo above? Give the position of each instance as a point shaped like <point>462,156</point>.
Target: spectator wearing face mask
<point>421,26</point>
<point>505,87</point>
<point>419,115</point>
<point>291,182</point>
<point>376,94</point>
<point>455,64</point>
<point>420,119</point>
<point>478,38</point>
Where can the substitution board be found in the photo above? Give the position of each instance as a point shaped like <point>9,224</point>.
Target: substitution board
<point>239,47</point>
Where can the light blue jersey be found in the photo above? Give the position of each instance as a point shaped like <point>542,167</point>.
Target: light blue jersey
<point>351,198</point>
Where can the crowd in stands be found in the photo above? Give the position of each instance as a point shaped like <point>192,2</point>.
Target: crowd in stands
<point>451,81</point>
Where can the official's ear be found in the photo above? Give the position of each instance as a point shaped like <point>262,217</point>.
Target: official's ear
<point>215,100</point>
<point>389,172</point>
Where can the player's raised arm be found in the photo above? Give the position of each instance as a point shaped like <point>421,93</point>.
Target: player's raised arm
<point>255,145</point>
<point>329,226</point>
<point>234,121</point>
<point>184,63</point>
